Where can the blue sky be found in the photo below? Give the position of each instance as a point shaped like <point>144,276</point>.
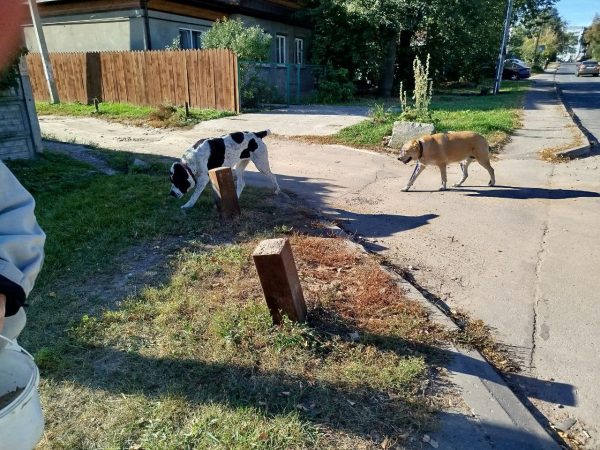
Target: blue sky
<point>578,12</point>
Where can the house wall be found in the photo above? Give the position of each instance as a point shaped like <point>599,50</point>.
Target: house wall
<point>124,29</point>
<point>165,27</point>
<point>274,28</point>
<point>89,32</point>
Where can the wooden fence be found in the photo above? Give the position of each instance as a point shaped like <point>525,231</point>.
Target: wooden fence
<point>202,78</point>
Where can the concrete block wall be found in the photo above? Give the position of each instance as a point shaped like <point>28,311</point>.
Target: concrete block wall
<point>20,135</point>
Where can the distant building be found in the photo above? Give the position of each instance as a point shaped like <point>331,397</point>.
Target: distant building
<point>97,25</point>
<point>575,50</point>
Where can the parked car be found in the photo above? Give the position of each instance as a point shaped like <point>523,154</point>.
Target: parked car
<point>589,67</point>
<point>515,71</point>
<point>517,61</point>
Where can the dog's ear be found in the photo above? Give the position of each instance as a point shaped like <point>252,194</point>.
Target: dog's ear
<point>180,177</point>
<point>414,145</point>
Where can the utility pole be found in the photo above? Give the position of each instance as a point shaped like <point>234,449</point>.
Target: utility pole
<point>41,40</point>
<point>500,63</point>
<point>540,23</point>
<point>537,43</point>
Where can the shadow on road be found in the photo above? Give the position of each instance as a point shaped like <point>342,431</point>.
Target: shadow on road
<point>460,431</point>
<point>527,193</point>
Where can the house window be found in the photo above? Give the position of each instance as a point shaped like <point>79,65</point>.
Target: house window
<point>281,49</point>
<point>299,53</point>
<point>190,39</point>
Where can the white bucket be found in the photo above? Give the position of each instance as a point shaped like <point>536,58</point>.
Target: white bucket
<point>21,421</point>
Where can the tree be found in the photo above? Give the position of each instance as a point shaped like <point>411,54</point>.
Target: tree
<point>248,43</point>
<point>540,38</point>
<point>463,37</point>
<point>377,39</point>
<point>591,38</point>
<point>361,36</point>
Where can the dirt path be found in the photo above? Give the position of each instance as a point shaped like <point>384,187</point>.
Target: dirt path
<point>520,256</point>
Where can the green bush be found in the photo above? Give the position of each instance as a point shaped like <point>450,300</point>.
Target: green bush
<point>9,75</point>
<point>335,86</point>
<point>248,43</point>
<point>255,91</point>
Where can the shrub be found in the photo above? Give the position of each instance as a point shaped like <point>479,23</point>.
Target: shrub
<point>255,91</point>
<point>335,86</point>
<point>9,75</point>
<point>379,114</point>
<point>175,44</point>
<point>248,43</point>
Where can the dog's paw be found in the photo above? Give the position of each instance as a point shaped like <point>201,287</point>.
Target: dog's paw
<point>492,183</point>
<point>405,189</point>
<point>442,188</point>
<point>457,185</point>
<point>186,206</point>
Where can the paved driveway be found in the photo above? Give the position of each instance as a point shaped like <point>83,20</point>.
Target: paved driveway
<point>315,120</point>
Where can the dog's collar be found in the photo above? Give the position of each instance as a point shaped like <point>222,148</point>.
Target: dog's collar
<point>420,149</point>
<point>187,168</point>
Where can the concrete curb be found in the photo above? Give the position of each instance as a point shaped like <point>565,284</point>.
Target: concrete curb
<point>497,415</point>
<point>585,135</point>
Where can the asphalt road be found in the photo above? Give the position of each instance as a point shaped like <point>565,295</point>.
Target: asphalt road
<point>583,95</point>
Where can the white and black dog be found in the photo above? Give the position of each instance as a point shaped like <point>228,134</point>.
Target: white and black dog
<point>233,150</point>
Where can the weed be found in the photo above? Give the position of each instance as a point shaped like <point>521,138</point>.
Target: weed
<point>379,114</point>
<point>163,113</point>
<point>423,86</point>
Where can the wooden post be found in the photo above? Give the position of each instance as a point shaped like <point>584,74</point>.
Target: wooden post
<point>278,275</point>
<point>225,195</point>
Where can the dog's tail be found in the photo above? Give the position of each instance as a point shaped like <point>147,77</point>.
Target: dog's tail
<point>262,134</point>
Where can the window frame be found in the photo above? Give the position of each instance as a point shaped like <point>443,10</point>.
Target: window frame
<point>193,33</point>
<point>299,51</point>
<point>281,48</point>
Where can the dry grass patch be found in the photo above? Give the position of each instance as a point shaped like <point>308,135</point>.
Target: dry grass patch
<point>197,363</point>
<point>550,154</point>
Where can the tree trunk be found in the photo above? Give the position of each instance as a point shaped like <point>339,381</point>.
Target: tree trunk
<point>388,65</point>
<point>404,58</point>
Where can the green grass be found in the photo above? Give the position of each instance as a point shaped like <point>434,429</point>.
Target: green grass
<point>495,117</point>
<point>150,329</point>
<point>162,116</point>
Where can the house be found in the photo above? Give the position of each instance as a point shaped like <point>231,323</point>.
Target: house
<point>102,25</point>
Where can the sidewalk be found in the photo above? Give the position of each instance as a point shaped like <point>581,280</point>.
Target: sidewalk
<point>546,123</point>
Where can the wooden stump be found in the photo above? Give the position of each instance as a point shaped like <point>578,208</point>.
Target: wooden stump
<point>225,195</point>
<point>279,280</point>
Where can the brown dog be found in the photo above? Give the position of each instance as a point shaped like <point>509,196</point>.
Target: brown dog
<point>444,148</point>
